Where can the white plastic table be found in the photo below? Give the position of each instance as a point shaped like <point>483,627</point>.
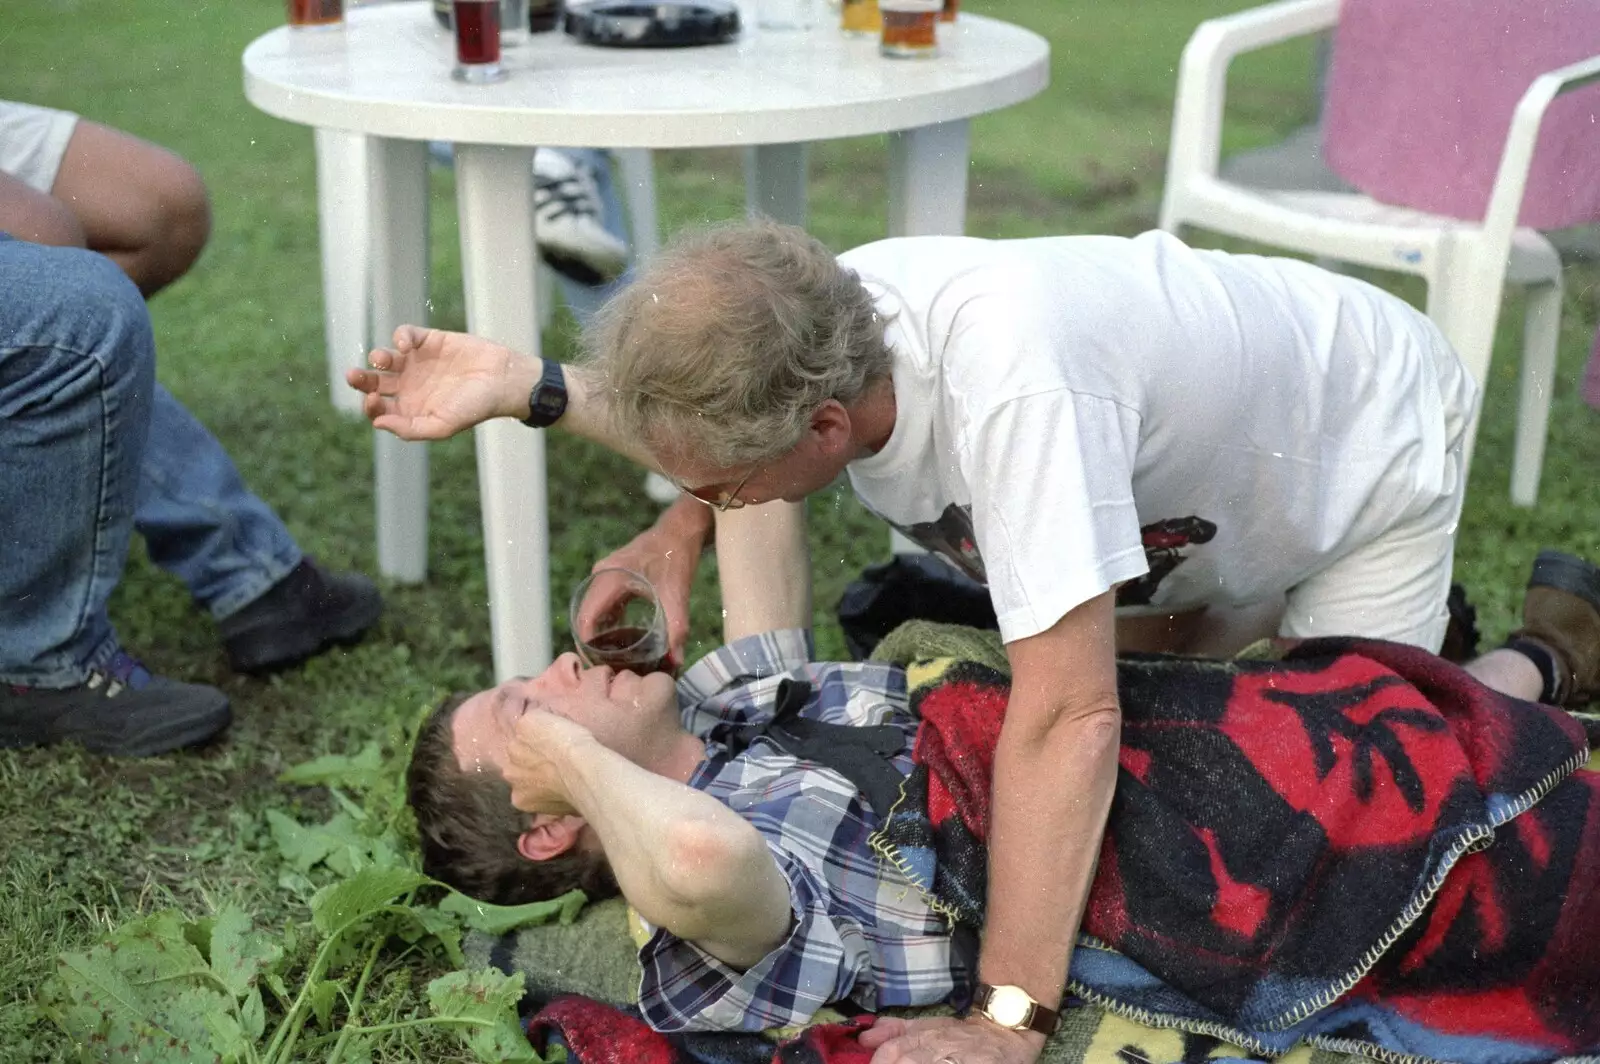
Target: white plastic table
<point>379,89</point>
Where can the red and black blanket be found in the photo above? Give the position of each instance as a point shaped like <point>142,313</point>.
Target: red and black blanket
<point>1357,845</point>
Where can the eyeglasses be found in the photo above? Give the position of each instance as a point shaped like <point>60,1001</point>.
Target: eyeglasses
<point>720,499</point>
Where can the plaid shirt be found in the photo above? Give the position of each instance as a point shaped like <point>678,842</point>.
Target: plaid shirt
<point>860,930</point>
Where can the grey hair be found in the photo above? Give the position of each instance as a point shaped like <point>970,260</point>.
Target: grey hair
<point>731,337</point>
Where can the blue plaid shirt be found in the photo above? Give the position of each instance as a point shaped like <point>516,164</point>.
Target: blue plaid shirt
<point>860,930</point>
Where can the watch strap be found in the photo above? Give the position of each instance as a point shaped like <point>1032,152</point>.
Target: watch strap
<point>1040,1019</point>
<point>548,399</point>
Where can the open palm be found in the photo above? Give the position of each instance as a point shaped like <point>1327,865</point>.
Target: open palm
<point>433,383</point>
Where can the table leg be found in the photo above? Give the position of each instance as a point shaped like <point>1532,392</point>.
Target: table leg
<point>928,180</point>
<point>494,198</point>
<point>775,182</point>
<point>342,232</point>
<point>397,179</point>
<point>927,197</point>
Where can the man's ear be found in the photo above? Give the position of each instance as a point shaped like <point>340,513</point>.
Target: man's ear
<point>549,836</point>
<point>830,427</point>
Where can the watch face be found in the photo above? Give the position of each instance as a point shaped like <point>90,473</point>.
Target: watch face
<point>1009,1006</point>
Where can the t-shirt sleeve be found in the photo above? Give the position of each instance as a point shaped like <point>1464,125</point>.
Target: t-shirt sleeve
<point>684,988</point>
<point>1051,475</point>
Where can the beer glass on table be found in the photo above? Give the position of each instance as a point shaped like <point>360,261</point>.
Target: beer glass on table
<point>313,14</point>
<point>630,632</point>
<point>860,18</point>
<point>909,28</point>
<point>477,33</point>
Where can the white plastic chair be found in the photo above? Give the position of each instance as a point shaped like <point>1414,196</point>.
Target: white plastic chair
<point>1465,264</point>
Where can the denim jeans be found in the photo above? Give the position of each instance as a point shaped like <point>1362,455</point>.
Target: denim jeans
<point>90,448</point>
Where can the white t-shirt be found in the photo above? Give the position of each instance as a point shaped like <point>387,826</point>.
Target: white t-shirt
<point>1076,412</point>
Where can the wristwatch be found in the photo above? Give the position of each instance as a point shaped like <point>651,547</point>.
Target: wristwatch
<point>548,400</point>
<point>1013,1007</point>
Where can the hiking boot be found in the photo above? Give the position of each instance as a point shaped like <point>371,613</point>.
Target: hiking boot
<point>122,710</point>
<point>568,224</point>
<point>1561,612</point>
<point>299,617</point>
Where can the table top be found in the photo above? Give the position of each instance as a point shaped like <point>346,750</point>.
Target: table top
<point>386,72</point>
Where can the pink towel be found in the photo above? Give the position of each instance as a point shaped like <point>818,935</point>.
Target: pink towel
<point>1421,93</point>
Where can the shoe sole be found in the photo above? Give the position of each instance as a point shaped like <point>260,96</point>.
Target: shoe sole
<point>1566,572</point>
<point>574,268</point>
<point>174,735</point>
<point>304,644</point>
<point>166,736</point>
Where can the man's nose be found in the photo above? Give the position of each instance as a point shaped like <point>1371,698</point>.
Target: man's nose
<point>567,668</point>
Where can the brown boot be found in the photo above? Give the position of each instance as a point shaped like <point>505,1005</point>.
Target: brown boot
<point>1561,612</point>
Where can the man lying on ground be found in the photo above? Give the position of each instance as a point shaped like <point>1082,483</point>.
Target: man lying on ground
<point>1296,850</point>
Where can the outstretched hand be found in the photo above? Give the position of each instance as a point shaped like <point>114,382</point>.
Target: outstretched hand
<point>935,1039</point>
<point>433,383</point>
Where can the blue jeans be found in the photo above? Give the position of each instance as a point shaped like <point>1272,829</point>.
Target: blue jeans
<point>90,448</point>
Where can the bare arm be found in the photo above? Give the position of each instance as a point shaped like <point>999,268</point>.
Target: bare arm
<point>433,384</point>
<point>764,568</point>
<point>37,217</point>
<point>1054,773</point>
<point>684,860</point>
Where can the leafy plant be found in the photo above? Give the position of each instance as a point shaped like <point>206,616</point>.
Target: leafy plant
<point>169,988</point>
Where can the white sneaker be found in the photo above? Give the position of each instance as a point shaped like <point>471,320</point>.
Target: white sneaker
<point>567,220</point>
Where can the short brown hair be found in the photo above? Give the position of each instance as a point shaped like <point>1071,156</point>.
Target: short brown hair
<point>468,828</point>
<point>730,338</point>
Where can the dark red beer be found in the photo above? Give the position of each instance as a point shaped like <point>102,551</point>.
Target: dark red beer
<point>630,648</point>
<point>314,12</point>
<point>477,32</point>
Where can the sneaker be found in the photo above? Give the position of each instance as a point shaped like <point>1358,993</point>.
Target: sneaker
<point>122,710</point>
<point>1561,612</point>
<point>299,617</point>
<point>567,220</point>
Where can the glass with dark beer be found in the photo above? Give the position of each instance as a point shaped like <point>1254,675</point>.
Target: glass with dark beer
<point>477,31</point>
<point>909,28</point>
<point>314,14</point>
<point>617,620</point>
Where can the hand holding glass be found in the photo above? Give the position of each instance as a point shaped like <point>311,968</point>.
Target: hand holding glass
<point>617,620</point>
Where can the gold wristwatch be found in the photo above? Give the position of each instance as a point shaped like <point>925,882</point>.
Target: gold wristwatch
<point>1014,1007</point>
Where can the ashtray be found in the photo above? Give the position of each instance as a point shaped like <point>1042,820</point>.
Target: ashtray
<point>653,23</point>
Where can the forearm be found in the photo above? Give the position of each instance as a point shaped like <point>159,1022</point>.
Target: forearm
<point>586,415</point>
<point>1054,773</point>
<point>764,568</point>
<point>37,217</point>
<point>684,860</point>
<point>1051,797</point>
<point>687,525</point>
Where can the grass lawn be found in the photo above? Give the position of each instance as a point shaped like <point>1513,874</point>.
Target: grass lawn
<point>87,843</point>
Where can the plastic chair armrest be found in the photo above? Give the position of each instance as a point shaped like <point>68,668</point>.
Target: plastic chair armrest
<point>1202,74</point>
<point>1511,180</point>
